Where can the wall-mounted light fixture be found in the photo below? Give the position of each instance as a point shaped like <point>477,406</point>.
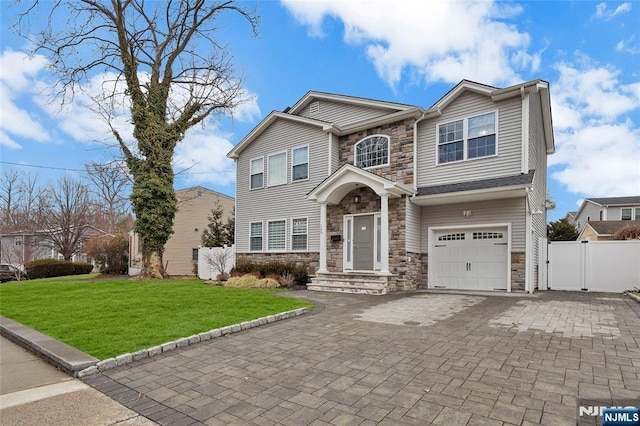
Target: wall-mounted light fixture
<point>356,199</point>
<point>466,213</point>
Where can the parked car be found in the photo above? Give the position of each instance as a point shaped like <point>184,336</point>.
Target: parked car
<point>11,273</point>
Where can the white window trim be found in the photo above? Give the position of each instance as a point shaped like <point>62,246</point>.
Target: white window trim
<point>261,236</point>
<point>293,164</point>
<point>465,138</point>
<point>355,147</point>
<point>632,215</point>
<point>347,220</point>
<point>286,162</point>
<point>264,175</point>
<point>291,234</point>
<point>286,233</point>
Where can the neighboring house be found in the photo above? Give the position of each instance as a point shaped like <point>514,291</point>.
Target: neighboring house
<point>607,209</point>
<point>181,250</point>
<point>18,248</point>
<point>378,197</point>
<point>599,230</point>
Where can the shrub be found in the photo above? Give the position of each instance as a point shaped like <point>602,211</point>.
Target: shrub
<point>45,268</point>
<point>111,253</point>
<point>280,269</point>
<point>250,281</point>
<point>287,280</point>
<point>630,231</point>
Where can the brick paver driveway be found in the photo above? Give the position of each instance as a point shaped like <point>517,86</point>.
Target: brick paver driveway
<point>419,358</point>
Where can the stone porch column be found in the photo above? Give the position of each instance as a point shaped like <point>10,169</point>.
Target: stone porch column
<point>323,238</point>
<point>384,233</point>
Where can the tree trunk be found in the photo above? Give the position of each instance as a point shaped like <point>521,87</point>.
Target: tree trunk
<point>152,265</point>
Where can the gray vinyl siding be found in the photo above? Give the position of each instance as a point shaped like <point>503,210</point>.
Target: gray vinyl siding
<point>342,114</point>
<point>335,153</point>
<point>509,146</point>
<point>537,162</point>
<point>591,211</point>
<point>510,210</point>
<point>284,201</point>
<point>413,227</point>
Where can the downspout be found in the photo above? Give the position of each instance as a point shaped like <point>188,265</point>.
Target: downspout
<point>528,256</point>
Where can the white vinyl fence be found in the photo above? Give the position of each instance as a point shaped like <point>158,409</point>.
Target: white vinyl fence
<point>213,259</point>
<point>609,266</point>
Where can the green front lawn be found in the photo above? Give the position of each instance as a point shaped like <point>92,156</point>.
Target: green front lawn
<point>109,317</point>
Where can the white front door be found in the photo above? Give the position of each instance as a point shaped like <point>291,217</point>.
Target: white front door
<point>470,259</point>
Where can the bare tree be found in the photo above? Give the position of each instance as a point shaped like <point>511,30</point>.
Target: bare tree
<point>21,198</point>
<point>110,182</point>
<point>68,216</point>
<point>174,73</point>
<point>219,259</point>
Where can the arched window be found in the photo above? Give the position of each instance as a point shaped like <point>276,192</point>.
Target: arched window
<point>372,151</point>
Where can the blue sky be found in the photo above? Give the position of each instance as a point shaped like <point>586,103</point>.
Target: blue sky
<point>400,51</point>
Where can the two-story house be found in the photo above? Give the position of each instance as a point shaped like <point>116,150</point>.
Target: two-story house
<point>378,196</point>
<point>600,218</point>
<point>191,219</point>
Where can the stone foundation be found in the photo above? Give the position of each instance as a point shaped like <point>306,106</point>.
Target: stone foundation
<point>309,259</point>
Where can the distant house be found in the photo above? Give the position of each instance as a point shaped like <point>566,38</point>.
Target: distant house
<point>599,230</point>
<point>605,216</point>
<point>377,196</point>
<point>20,247</point>
<point>181,251</point>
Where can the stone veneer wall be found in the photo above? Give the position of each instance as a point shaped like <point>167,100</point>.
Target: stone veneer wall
<point>407,273</point>
<point>309,259</point>
<point>400,168</point>
<point>518,270</point>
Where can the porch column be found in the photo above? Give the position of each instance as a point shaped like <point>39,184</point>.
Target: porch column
<point>384,233</point>
<point>323,238</point>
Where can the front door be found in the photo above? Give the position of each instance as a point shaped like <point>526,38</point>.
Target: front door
<point>363,243</point>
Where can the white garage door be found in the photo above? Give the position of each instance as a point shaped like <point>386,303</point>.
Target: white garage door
<point>473,259</point>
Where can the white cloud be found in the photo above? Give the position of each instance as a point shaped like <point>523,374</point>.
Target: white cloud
<point>202,156</point>
<point>628,46</point>
<point>18,72</point>
<point>603,11</point>
<point>421,37</point>
<point>597,141</point>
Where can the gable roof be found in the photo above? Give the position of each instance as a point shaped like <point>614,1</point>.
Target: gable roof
<point>353,100</point>
<point>201,188</point>
<point>615,201</point>
<point>270,119</point>
<point>609,202</point>
<point>497,94</point>
<point>606,228</point>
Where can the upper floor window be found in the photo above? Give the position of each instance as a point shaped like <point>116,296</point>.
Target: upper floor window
<point>465,139</point>
<point>277,169</point>
<point>627,213</point>
<point>300,164</point>
<point>257,173</point>
<point>372,151</point>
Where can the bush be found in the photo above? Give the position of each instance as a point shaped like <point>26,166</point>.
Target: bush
<point>250,281</point>
<point>45,268</point>
<point>111,253</point>
<point>300,273</point>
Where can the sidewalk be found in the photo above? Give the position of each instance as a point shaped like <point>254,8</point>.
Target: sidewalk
<point>33,392</point>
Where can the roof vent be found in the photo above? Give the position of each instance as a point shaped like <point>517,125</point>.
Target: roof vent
<point>314,108</point>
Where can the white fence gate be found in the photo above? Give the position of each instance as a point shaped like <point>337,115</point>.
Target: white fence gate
<point>610,266</point>
<point>211,259</point>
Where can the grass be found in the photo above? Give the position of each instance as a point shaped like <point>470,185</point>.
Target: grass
<point>105,318</point>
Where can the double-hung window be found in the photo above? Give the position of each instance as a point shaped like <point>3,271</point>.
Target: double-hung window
<point>276,235</point>
<point>257,173</point>
<point>626,213</point>
<point>255,239</point>
<point>372,151</point>
<point>300,164</point>
<point>277,169</point>
<point>299,234</point>
<point>465,139</point>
